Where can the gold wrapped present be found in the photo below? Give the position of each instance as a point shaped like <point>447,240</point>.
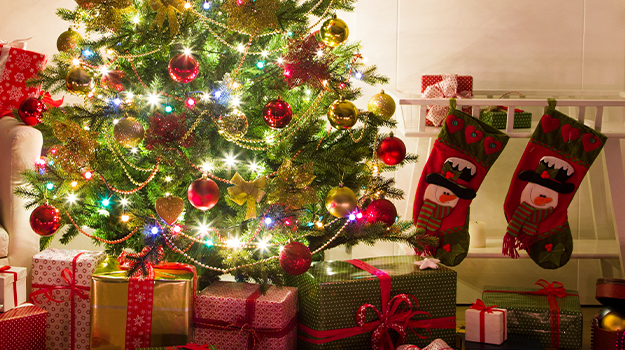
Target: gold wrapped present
<point>171,319</point>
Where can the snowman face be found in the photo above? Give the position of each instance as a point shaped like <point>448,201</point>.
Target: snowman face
<point>441,195</point>
<point>539,197</point>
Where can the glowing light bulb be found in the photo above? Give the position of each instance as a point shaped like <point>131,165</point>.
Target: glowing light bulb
<point>106,202</point>
<point>206,5</point>
<point>358,75</point>
<point>280,60</point>
<point>319,224</point>
<point>186,51</point>
<point>177,228</point>
<point>124,202</point>
<point>206,97</point>
<point>268,221</point>
<point>260,64</point>
<point>202,228</point>
<point>117,101</point>
<point>136,19</point>
<point>287,222</point>
<point>241,48</point>
<point>87,53</point>
<point>190,102</point>
<point>287,73</point>
<point>74,183</point>
<point>364,59</point>
<point>125,217</point>
<point>262,245</point>
<point>319,53</point>
<point>129,94</point>
<point>49,185</point>
<point>153,99</point>
<point>264,53</point>
<point>236,101</point>
<point>134,150</point>
<point>218,94</point>
<point>71,198</point>
<point>50,162</point>
<point>233,243</point>
<point>208,243</point>
<point>253,166</point>
<point>76,62</point>
<point>352,217</point>
<point>168,109</point>
<point>207,167</point>
<point>88,175</point>
<point>115,121</point>
<point>359,215</point>
<point>104,70</point>
<point>230,160</point>
<point>168,178</point>
<point>40,162</point>
<point>154,230</point>
<point>187,5</point>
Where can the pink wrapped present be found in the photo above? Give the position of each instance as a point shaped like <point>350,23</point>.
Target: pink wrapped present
<point>16,66</point>
<point>236,316</point>
<point>485,324</point>
<point>61,284</point>
<point>445,86</point>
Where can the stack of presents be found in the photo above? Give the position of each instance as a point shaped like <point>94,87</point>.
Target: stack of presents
<point>86,300</point>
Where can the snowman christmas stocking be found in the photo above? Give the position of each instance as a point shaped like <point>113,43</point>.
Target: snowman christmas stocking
<point>463,153</point>
<point>553,165</point>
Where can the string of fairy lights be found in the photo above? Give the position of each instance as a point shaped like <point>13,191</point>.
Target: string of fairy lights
<point>203,233</point>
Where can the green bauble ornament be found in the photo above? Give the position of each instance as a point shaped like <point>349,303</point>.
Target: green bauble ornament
<point>382,104</point>
<point>78,80</point>
<point>68,40</point>
<point>343,114</point>
<point>128,132</point>
<point>341,201</point>
<point>334,32</point>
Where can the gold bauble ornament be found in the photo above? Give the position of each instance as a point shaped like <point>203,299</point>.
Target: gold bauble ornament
<point>341,201</point>
<point>343,114</point>
<point>612,320</point>
<point>128,132</point>
<point>334,32</point>
<point>232,125</point>
<point>382,104</point>
<point>68,40</point>
<point>78,80</point>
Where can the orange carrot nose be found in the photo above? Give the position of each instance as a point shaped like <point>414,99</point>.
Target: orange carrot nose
<point>444,198</point>
<point>542,200</point>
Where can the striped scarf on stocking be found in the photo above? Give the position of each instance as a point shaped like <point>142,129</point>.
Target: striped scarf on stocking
<point>522,228</point>
<point>431,215</point>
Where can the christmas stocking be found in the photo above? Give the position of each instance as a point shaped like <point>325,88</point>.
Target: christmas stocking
<point>553,165</point>
<point>463,152</point>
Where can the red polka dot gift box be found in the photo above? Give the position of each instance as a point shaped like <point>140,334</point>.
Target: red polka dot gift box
<point>61,285</point>
<point>24,328</point>
<point>16,66</point>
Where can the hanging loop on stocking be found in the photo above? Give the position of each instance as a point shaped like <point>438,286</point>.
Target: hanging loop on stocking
<point>452,103</point>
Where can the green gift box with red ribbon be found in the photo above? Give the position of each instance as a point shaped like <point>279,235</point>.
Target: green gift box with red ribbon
<point>374,303</point>
<point>549,313</point>
<point>497,117</point>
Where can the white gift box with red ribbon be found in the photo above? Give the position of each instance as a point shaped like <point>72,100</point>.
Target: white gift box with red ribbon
<point>13,287</point>
<point>486,324</point>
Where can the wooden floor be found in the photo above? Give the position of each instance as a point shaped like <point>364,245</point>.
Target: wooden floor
<point>588,311</point>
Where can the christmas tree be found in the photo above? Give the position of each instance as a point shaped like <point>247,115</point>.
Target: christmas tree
<point>220,132</point>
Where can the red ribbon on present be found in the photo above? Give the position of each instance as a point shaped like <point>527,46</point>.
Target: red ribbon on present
<point>244,324</point>
<point>5,269</point>
<point>480,306</point>
<point>551,291</point>
<point>192,347</point>
<point>75,290</point>
<point>392,316</point>
<point>141,294</point>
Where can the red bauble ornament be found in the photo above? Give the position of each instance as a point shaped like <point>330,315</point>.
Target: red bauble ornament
<point>277,114</point>
<point>203,193</point>
<point>45,220</point>
<point>381,210</point>
<point>183,68</point>
<point>391,151</point>
<point>30,110</point>
<point>295,258</point>
<point>114,80</point>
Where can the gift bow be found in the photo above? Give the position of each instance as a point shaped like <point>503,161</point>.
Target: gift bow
<point>17,43</point>
<point>480,306</point>
<point>247,191</point>
<point>445,88</point>
<point>167,8</point>
<point>391,317</point>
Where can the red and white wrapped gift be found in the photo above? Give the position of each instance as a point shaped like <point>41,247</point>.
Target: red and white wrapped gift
<point>24,328</point>
<point>12,287</point>
<point>485,324</point>
<point>61,284</point>
<point>16,66</point>
<point>445,86</point>
<point>437,344</point>
<point>237,316</point>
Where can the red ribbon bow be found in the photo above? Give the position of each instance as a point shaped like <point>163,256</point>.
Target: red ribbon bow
<point>480,306</point>
<point>551,291</point>
<point>5,269</point>
<point>195,347</point>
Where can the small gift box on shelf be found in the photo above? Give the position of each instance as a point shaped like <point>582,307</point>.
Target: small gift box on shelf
<point>237,316</point>
<point>485,324</point>
<point>13,287</point>
<point>497,116</point>
<point>445,86</point>
<point>610,292</point>
<point>182,347</point>
<point>60,285</point>
<point>552,314</point>
<point>16,66</point>
<point>23,327</point>
<point>355,304</point>
<point>141,311</point>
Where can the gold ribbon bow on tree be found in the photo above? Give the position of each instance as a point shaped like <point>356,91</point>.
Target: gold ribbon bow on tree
<point>291,186</point>
<point>247,191</point>
<point>167,8</point>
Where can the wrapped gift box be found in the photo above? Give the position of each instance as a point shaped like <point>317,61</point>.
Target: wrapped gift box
<point>23,327</point>
<point>60,285</point>
<point>510,344</point>
<point>530,316</point>
<point>497,118</point>
<point>13,291</point>
<point>182,347</point>
<point>222,309</point>
<point>438,344</point>
<point>485,324</point>
<point>16,66</point>
<point>332,294</point>
<point>464,90</point>
<point>171,293</point>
